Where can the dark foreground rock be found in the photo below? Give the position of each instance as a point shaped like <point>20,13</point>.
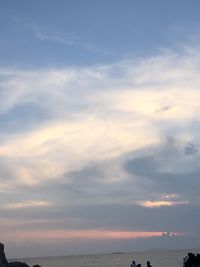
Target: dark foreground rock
<point>3,260</point>
<point>17,264</point>
<point>5,263</point>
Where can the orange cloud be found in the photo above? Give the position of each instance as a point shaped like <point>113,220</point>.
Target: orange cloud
<point>83,234</point>
<point>160,203</point>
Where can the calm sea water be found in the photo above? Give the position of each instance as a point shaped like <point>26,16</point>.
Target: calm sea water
<point>157,259</point>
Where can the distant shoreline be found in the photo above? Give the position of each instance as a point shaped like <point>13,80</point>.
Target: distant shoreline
<point>156,250</point>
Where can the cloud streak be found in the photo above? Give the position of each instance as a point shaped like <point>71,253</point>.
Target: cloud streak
<point>157,204</point>
<point>27,204</point>
<point>68,39</point>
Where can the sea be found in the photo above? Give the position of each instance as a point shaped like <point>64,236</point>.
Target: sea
<point>157,259</point>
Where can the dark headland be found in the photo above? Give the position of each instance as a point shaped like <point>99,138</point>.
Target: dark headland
<point>5,263</point>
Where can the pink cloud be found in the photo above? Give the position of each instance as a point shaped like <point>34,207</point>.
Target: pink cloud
<point>82,234</point>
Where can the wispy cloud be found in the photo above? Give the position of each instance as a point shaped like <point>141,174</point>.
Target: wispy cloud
<point>85,235</point>
<point>69,39</point>
<point>160,203</point>
<point>55,36</point>
<point>108,105</point>
<point>27,204</point>
<point>133,124</point>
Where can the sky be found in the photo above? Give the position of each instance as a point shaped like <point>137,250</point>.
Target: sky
<point>99,126</point>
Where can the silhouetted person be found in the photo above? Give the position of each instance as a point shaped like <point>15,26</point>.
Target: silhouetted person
<point>191,260</point>
<point>198,259</point>
<point>139,265</point>
<point>149,264</point>
<point>133,264</point>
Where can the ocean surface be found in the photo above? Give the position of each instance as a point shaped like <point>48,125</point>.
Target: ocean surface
<point>157,259</point>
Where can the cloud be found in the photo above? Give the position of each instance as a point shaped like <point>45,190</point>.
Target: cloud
<point>60,147</point>
<point>91,234</point>
<point>55,37</point>
<point>100,114</point>
<point>68,39</point>
<point>157,204</point>
<point>171,177</point>
<point>27,204</point>
<point>103,143</point>
<point>191,149</point>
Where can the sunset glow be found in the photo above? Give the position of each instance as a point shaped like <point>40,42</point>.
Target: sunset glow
<point>99,126</point>
<point>81,234</point>
<point>157,204</point>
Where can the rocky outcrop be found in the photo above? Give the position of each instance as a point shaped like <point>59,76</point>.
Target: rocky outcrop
<point>3,260</point>
<point>5,263</point>
<point>17,264</point>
